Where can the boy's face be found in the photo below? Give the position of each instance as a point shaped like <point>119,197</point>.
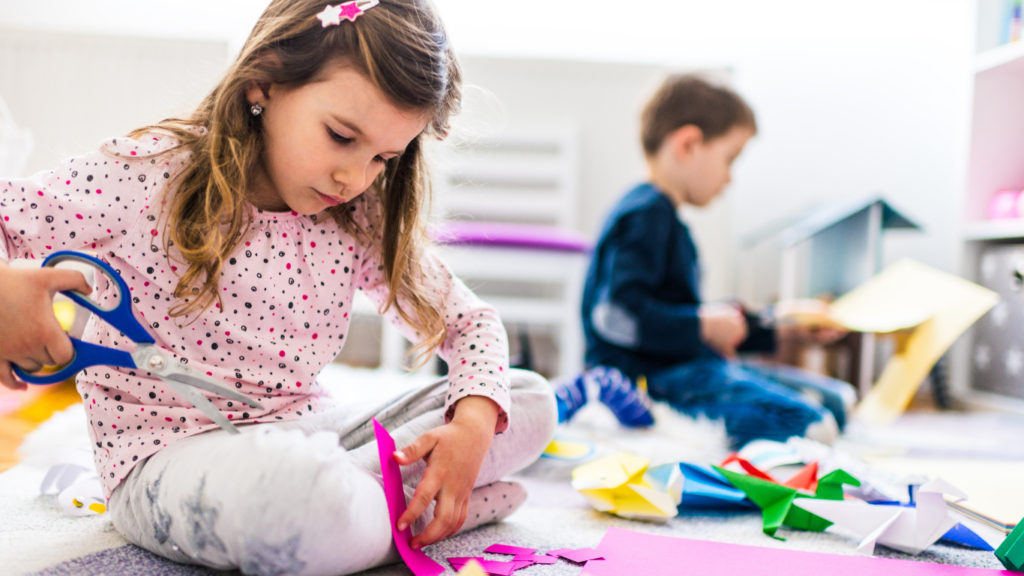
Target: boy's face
<point>705,167</point>
<point>327,141</point>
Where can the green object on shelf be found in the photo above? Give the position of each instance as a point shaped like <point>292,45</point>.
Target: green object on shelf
<point>1011,551</point>
<point>776,500</point>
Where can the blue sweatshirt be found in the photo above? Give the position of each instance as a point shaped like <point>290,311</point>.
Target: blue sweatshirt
<point>642,291</point>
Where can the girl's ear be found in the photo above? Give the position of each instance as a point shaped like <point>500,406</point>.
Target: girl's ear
<point>257,91</point>
<point>684,141</point>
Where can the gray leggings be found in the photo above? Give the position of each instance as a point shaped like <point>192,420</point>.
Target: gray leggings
<point>304,497</point>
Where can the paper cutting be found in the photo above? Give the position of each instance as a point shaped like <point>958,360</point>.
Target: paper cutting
<point>776,501</point>
<point>628,552</point>
<point>1011,551</point>
<point>906,529</point>
<point>619,484</point>
<point>416,560</point>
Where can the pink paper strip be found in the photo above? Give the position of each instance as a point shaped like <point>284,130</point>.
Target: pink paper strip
<point>506,549</point>
<point>628,552</point>
<point>535,558</point>
<point>416,560</point>
<point>578,556</point>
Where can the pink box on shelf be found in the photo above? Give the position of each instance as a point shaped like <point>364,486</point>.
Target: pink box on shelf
<point>1004,204</point>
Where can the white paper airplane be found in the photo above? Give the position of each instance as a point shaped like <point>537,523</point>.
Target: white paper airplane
<point>909,530</point>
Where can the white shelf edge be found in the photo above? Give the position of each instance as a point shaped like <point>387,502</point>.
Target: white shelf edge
<point>996,57</point>
<point>994,229</point>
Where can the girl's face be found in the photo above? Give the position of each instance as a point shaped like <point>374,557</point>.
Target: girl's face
<point>326,141</point>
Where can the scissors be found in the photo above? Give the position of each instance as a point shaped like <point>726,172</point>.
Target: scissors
<point>182,378</point>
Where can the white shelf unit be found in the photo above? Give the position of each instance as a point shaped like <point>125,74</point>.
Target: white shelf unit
<point>995,161</point>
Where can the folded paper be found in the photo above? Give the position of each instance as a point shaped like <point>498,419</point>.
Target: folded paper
<point>416,560</point>
<point>78,489</point>
<point>776,501</point>
<point>619,484</point>
<point>628,552</point>
<point>906,529</point>
<point>1011,551</point>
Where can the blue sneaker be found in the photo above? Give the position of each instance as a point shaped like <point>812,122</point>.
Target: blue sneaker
<point>615,391</point>
<point>570,396</point>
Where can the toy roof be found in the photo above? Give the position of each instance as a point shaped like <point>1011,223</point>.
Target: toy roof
<point>799,227</point>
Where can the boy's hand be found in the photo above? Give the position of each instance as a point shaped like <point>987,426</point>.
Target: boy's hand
<point>30,336</point>
<point>454,453</point>
<point>722,327</point>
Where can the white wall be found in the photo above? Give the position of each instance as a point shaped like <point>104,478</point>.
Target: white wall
<point>851,96</point>
<point>74,90</point>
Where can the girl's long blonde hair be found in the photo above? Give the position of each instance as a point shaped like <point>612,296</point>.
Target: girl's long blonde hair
<point>402,48</point>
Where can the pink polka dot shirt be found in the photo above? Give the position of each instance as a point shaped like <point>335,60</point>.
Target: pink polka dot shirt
<point>287,295</point>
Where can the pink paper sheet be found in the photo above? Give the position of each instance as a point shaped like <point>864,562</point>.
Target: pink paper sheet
<point>628,552</point>
<point>416,560</point>
<point>506,549</point>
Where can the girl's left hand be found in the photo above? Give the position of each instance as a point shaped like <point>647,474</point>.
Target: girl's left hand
<point>454,454</point>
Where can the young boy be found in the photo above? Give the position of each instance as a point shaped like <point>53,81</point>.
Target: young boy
<point>642,309</point>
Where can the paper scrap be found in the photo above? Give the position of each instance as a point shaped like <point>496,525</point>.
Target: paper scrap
<point>493,567</point>
<point>416,560</point>
<point>505,549</point>
<point>939,306</point>
<point>536,558</point>
<point>628,552</point>
<point>579,555</point>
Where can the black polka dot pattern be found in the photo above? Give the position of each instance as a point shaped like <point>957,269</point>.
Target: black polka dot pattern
<point>287,294</point>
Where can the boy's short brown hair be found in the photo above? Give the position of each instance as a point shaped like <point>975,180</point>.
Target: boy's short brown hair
<point>691,99</point>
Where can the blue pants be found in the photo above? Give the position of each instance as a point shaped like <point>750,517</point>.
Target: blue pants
<point>752,405</point>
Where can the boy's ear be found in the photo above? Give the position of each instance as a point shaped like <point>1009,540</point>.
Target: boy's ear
<point>684,141</point>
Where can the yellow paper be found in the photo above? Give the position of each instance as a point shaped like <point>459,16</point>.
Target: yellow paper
<point>616,484</point>
<point>906,295</point>
<point>909,290</point>
<point>568,450</point>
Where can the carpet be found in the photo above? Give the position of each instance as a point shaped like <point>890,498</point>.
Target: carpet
<point>37,538</point>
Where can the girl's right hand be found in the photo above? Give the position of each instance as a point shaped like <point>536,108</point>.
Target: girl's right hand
<point>30,335</point>
<point>722,327</point>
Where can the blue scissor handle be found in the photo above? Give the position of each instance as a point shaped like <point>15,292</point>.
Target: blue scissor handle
<point>86,355</point>
<point>120,317</point>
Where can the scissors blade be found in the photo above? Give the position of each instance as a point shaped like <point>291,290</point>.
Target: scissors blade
<point>205,383</point>
<point>201,403</point>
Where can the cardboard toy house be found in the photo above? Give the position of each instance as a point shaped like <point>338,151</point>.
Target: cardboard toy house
<point>825,251</point>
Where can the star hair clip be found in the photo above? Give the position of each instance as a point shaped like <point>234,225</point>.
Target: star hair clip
<point>333,15</point>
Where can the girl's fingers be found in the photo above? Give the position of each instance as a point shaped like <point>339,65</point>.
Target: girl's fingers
<point>429,486</point>
<point>60,350</point>
<point>418,450</point>
<point>59,280</point>
<point>459,520</point>
<point>7,377</point>
<point>439,527</point>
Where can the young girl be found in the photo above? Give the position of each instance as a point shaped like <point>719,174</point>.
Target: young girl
<point>243,232</point>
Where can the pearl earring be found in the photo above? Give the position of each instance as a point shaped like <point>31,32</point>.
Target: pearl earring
<point>256,109</point>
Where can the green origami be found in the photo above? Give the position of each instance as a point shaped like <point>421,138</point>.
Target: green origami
<point>1011,551</point>
<point>776,500</point>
